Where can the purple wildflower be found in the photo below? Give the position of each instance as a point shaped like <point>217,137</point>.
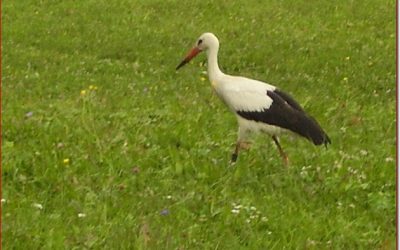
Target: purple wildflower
<point>164,212</point>
<point>29,114</point>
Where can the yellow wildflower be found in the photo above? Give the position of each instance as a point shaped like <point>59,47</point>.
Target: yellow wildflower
<point>66,161</point>
<point>83,92</point>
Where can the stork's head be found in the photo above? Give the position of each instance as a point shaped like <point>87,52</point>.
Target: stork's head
<point>205,42</point>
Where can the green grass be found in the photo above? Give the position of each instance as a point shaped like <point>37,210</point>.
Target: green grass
<point>148,149</point>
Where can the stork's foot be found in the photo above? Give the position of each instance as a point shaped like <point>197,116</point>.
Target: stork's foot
<point>234,158</point>
<point>285,159</point>
<point>245,145</point>
<point>239,145</point>
<point>284,156</point>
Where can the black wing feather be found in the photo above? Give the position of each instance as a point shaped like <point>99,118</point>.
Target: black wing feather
<point>289,99</point>
<point>285,112</point>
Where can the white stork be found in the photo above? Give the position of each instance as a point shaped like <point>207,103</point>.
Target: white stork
<point>258,106</point>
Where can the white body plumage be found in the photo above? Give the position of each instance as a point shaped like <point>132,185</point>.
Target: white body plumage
<point>244,94</point>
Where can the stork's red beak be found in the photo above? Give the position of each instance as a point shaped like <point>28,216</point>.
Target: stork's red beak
<point>192,53</point>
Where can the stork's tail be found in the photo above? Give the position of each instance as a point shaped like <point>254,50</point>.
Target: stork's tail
<point>310,129</point>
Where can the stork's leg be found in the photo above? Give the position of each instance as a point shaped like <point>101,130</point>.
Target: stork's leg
<point>281,152</point>
<point>241,143</point>
<point>236,152</point>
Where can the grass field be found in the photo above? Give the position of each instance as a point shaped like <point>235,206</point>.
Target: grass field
<point>105,146</point>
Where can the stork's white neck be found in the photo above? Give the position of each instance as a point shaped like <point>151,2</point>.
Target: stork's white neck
<point>213,69</point>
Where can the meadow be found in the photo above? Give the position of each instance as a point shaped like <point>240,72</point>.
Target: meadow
<point>106,146</point>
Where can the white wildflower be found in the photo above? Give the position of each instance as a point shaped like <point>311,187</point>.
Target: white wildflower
<point>311,242</point>
<point>81,215</point>
<point>235,211</point>
<point>389,159</point>
<point>237,206</point>
<point>38,206</point>
<point>203,218</point>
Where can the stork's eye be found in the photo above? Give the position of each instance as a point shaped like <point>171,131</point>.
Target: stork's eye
<point>199,42</point>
